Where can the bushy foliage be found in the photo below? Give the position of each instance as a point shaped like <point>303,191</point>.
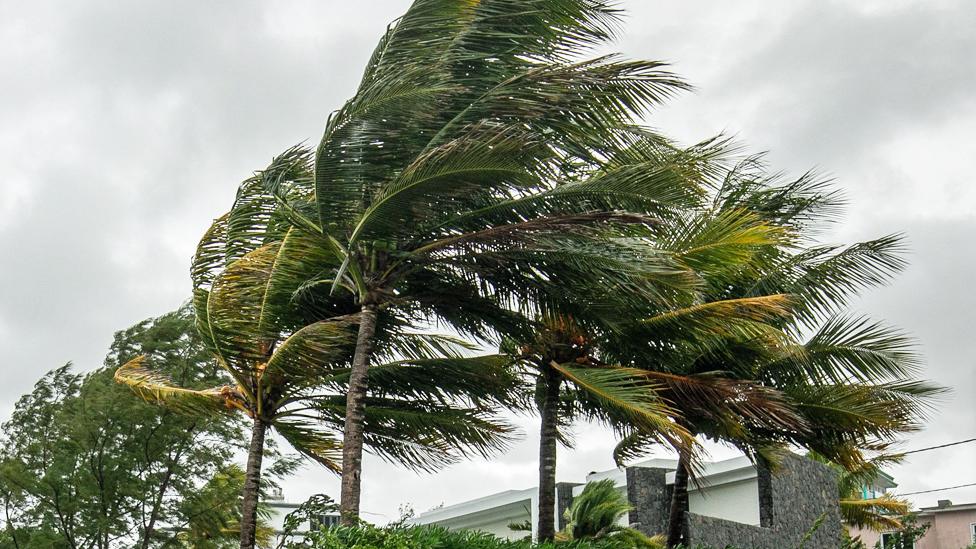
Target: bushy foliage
<point>596,513</point>
<point>426,537</point>
<point>911,531</point>
<point>84,459</point>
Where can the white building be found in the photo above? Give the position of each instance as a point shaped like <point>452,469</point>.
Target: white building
<point>729,490</point>
<point>732,503</point>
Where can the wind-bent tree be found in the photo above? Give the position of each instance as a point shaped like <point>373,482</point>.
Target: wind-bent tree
<point>86,464</point>
<point>286,343</point>
<point>469,176</point>
<point>850,382</point>
<point>577,374</point>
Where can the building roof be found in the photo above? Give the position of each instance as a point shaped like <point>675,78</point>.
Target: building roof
<point>950,508</point>
<point>484,503</point>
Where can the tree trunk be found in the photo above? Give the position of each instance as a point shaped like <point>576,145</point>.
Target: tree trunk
<point>252,483</point>
<point>549,414</point>
<point>352,440</point>
<point>677,520</point>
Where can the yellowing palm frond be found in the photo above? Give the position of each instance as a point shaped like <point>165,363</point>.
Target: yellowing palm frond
<point>156,387</point>
<point>877,514</point>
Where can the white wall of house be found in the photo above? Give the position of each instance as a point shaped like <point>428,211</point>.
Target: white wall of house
<point>492,514</point>
<point>729,490</point>
<point>736,501</point>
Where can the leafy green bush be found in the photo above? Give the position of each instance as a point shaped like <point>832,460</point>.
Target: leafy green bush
<point>433,537</point>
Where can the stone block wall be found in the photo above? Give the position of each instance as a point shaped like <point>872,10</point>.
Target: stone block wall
<point>564,498</point>
<point>792,500</point>
<point>650,497</point>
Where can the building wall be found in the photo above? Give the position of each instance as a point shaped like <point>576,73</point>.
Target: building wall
<point>799,500</point>
<point>495,521</point>
<point>868,537</point>
<point>950,530</point>
<point>727,510</point>
<point>735,501</point>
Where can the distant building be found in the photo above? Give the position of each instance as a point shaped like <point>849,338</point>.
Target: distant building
<point>279,509</point>
<point>951,526</point>
<point>736,504</point>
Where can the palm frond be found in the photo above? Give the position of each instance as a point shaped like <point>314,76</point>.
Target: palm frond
<point>485,380</point>
<point>878,514</point>
<point>848,348</point>
<point>722,317</point>
<point>155,387</point>
<point>424,436</point>
<point>314,443</point>
<point>735,405</point>
<point>824,278</point>
<point>632,396</point>
<point>308,357</point>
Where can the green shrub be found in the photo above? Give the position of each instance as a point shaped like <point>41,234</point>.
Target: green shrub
<point>433,537</point>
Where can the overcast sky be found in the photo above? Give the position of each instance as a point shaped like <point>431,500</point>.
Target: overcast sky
<point>125,128</point>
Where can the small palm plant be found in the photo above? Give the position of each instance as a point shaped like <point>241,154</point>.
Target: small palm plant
<point>597,514</point>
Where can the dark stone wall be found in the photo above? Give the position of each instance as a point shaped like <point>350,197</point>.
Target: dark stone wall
<point>650,498</point>
<point>792,499</point>
<point>564,498</point>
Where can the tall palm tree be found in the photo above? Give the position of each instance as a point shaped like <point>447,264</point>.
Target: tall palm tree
<point>468,176</point>
<point>850,381</point>
<point>575,375</point>
<point>288,345</point>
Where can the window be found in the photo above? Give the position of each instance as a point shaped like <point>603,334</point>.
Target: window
<point>972,532</point>
<point>325,521</point>
<point>889,541</point>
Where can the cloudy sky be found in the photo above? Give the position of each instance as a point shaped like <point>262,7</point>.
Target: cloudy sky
<point>126,126</point>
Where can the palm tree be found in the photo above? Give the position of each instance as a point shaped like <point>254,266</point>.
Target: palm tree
<point>574,361</point>
<point>569,382</point>
<point>596,514</point>
<point>468,176</point>
<point>287,344</point>
<point>849,382</point>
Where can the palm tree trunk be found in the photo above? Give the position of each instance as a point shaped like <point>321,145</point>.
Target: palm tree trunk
<point>549,414</point>
<point>352,440</point>
<point>252,484</point>
<point>677,520</point>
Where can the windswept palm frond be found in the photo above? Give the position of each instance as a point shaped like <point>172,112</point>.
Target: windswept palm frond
<point>720,317</point>
<point>156,387</point>
<point>878,514</point>
<point>422,436</point>
<point>848,348</point>
<point>634,397</point>
<point>322,446</point>
<point>825,278</point>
